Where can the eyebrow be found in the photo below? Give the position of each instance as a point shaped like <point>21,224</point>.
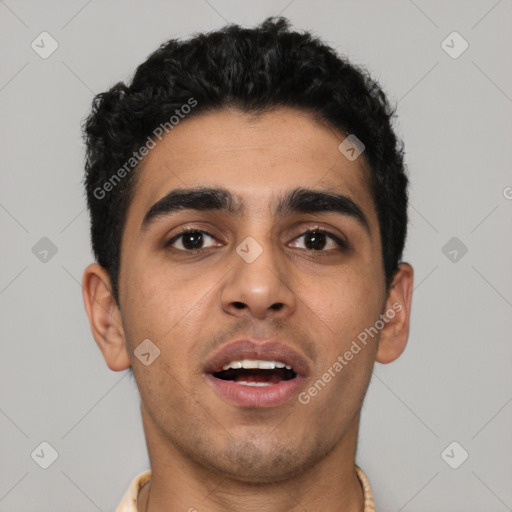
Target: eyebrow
<point>300,200</point>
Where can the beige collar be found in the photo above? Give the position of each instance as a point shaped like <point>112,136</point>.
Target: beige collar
<point>129,501</point>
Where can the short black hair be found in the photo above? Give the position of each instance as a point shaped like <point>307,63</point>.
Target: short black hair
<point>254,70</point>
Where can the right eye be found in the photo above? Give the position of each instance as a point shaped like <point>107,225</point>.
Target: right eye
<point>192,240</point>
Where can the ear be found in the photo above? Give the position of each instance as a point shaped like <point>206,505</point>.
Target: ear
<point>105,317</point>
<point>394,334</point>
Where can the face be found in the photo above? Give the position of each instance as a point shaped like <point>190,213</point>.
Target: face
<point>249,245</point>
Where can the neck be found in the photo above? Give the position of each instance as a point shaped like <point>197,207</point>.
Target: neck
<point>177,483</point>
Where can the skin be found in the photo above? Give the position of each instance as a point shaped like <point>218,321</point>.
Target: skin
<point>204,452</point>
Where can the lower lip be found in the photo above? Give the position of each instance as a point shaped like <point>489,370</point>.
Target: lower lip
<point>256,396</point>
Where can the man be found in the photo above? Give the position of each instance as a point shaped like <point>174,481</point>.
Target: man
<point>248,207</point>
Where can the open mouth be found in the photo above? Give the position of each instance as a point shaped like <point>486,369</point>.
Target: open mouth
<point>256,373</point>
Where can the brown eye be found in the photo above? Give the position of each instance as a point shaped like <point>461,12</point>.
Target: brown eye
<point>192,240</point>
<point>315,241</point>
<point>318,240</point>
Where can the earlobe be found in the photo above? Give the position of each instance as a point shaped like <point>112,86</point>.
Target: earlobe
<point>394,335</point>
<point>104,317</point>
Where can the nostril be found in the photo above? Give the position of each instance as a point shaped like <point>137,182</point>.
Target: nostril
<point>241,305</point>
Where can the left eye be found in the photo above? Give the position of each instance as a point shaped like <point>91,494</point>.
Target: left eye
<point>192,240</point>
<point>318,241</point>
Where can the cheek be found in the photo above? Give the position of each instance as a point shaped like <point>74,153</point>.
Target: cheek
<point>345,304</point>
<point>154,297</point>
<point>169,309</point>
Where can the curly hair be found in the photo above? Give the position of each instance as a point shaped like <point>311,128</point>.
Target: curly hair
<point>254,70</point>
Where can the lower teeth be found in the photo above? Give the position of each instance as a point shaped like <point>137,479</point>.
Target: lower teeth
<point>245,383</point>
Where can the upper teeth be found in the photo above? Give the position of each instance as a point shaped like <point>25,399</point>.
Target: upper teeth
<point>250,364</point>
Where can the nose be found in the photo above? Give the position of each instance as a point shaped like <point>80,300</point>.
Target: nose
<point>258,288</point>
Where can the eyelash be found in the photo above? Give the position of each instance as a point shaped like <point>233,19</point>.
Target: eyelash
<point>341,243</point>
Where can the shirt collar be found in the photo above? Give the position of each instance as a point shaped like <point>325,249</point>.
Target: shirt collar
<point>129,501</point>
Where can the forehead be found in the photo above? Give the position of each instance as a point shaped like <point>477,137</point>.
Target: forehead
<point>256,158</point>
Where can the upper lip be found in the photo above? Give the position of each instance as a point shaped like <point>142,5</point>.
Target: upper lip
<point>257,350</point>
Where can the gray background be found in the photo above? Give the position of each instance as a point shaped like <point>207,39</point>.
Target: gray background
<point>453,383</point>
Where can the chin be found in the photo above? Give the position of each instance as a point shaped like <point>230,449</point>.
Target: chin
<point>259,463</point>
